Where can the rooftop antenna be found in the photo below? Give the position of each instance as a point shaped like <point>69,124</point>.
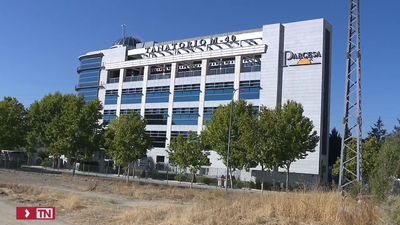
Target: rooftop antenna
<point>123,32</point>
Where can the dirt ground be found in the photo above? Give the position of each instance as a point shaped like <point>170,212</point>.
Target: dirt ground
<point>98,201</point>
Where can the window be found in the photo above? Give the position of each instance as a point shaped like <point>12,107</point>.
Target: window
<point>175,134</point>
<point>187,93</point>
<point>88,93</point>
<point>156,116</point>
<point>222,66</point>
<point>158,137</point>
<point>90,63</point>
<point>109,115</point>
<point>111,97</point>
<point>252,64</point>
<point>128,111</point>
<point>131,96</point>
<point>250,89</point>
<point>208,111</point>
<point>157,94</point>
<point>185,116</point>
<point>219,91</point>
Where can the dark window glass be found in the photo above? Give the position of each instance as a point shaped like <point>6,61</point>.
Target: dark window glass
<point>185,116</point>
<point>156,116</point>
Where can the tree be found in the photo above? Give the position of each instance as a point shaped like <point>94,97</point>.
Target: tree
<point>378,131</point>
<point>387,166</point>
<point>126,139</point>
<point>370,150</point>
<point>295,136</point>
<point>12,124</point>
<point>265,138</point>
<point>335,146</point>
<point>189,153</point>
<point>76,131</point>
<point>216,134</point>
<point>397,128</point>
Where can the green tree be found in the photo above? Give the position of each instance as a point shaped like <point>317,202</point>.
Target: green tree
<point>76,131</point>
<point>12,124</point>
<point>265,138</point>
<point>295,136</point>
<point>216,135</point>
<point>378,131</point>
<point>189,153</point>
<point>335,146</point>
<point>397,128</point>
<point>126,139</point>
<point>369,149</point>
<point>387,167</point>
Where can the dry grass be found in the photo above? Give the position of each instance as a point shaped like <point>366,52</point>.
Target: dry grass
<point>277,208</point>
<point>34,195</point>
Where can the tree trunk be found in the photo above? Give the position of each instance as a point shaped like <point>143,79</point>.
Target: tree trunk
<point>262,179</point>
<point>191,183</point>
<point>119,170</point>
<point>73,168</point>
<point>287,177</point>
<point>127,177</point>
<point>230,175</point>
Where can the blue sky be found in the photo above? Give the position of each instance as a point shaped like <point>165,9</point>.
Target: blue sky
<point>40,41</point>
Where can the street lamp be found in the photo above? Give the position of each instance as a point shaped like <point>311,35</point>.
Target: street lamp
<point>229,141</point>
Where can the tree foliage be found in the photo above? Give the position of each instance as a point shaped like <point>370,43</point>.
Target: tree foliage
<point>241,143</point>
<point>378,131</point>
<point>12,124</point>
<point>335,146</point>
<point>295,136</point>
<point>126,139</point>
<point>369,149</point>
<point>386,166</point>
<point>188,152</point>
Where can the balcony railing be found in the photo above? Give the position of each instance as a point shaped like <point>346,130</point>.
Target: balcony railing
<point>86,85</point>
<point>134,78</point>
<point>221,71</point>
<point>246,69</point>
<point>159,76</point>
<point>89,66</point>
<point>194,73</point>
<point>113,80</point>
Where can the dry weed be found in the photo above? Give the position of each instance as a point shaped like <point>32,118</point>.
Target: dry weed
<point>71,203</point>
<point>270,208</point>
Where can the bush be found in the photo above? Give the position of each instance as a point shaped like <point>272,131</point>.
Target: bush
<point>47,162</point>
<point>206,180</point>
<point>183,178</point>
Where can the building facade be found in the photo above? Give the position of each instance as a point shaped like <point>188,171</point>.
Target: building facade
<point>176,85</point>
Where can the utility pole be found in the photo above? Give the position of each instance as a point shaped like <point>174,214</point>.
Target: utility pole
<point>352,120</point>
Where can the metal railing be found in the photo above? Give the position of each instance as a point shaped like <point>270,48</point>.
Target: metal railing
<point>113,80</point>
<point>159,76</point>
<point>247,69</point>
<point>221,71</point>
<point>194,73</point>
<point>89,66</point>
<point>134,78</point>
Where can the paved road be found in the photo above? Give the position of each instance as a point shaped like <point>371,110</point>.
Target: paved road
<point>8,216</point>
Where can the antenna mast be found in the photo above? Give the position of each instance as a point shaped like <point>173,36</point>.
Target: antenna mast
<point>351,156</point>
<point>123,32</point>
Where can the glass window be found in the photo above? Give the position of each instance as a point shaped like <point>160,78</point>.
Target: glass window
<point>158,137</point>
<point>157,97</point>
<point>156,116</point>
<point>185,116</point>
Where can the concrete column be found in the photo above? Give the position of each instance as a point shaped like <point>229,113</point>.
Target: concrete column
<point>204,69</point>
<point>174,70</point>
<point>238,68</point>
<point>146,75</point>
<point>122,74</point>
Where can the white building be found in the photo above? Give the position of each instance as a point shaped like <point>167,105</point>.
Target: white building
<point>175,85</point>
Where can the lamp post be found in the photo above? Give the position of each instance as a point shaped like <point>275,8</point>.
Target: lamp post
<point>229,141</point>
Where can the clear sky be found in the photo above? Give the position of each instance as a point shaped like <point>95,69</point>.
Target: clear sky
<point>40,41</point>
